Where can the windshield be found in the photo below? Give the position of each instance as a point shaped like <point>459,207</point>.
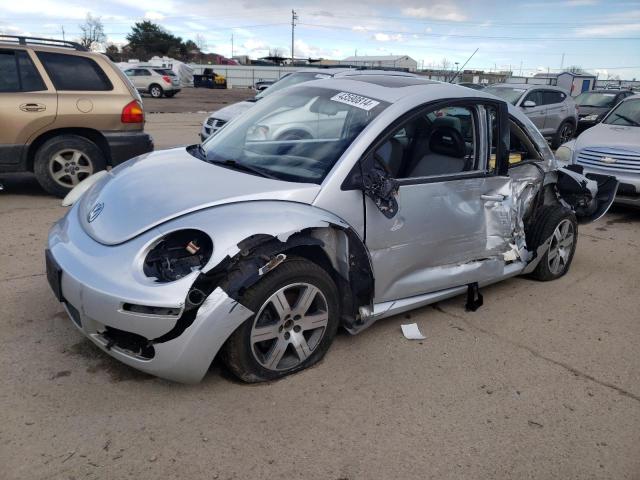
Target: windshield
<point>290,80</point>
<point>510,94</point>
<point>297,136</point>
<point>595,99</point>
<point>627,113</point>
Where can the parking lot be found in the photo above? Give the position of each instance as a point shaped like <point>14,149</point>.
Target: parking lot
<point>543,381</point>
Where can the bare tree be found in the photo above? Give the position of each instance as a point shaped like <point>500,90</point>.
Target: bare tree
<point>575,69</point>
<point>201,43</point>
<point>92,31</point>
<point>276,52</point>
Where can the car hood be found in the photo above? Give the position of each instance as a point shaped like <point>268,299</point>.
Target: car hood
<point>232,111</point>
<point>591,110</point>
<point>152,189</point>
<point>603,135</point>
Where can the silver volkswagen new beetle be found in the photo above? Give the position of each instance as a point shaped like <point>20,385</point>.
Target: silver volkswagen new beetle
<point>401,192</point>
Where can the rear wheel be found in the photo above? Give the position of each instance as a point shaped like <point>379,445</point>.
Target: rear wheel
<point>155,91</point>
<point>64,161</point>
<point>559,224</point>
<point>563,135</point>
<point>295,322</point>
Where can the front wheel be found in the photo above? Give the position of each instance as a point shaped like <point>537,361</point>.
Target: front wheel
<point>296,319</point>
<point>559,224</point>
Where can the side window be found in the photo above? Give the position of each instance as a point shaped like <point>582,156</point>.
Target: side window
<point>550,97</point>
<point>145,73</point>
<point>9,81</point>
<point>440,142</point>
<point>73,72</point>
<point>29,76</point>
<point>130,73</point>
<point>521,147</point>
<point>535,97</point>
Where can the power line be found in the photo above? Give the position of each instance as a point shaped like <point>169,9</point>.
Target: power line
<point>455,35</point>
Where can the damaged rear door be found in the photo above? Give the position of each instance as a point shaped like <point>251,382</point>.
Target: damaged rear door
<point>435,217</point>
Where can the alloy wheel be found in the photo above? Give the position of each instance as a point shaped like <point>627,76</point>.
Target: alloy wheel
<point>289,326</point>
<point>561,247</point>
<point>566,133</point>
<point>69,167</point>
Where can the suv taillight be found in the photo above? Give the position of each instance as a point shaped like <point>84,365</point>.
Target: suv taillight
<point>132,113</point>
<point>166,78</point>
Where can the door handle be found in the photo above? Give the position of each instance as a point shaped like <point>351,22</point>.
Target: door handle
<point>33,107</point>
<point>493,198</point>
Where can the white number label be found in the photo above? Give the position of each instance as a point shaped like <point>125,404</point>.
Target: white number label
<point>354,100</point>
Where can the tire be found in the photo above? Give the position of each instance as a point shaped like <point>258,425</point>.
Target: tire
<point>559,222</point>
<point>155,91</point>
<point>64,161</point>
<point>268,345</point>
<point>565,133</point>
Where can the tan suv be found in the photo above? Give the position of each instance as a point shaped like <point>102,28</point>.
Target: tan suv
<point>65,112</point>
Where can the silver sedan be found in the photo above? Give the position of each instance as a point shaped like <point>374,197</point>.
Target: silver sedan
<point>258,247</point>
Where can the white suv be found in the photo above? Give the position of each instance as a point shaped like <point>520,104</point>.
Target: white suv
<point>157,82</point>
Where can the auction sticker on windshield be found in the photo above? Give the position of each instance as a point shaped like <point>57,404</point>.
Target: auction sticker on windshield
<point>361,102</point>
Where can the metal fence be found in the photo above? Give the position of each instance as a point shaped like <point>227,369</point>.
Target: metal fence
<point>243,76</point>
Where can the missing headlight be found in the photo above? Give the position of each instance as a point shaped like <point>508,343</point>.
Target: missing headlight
<point>177,255</point>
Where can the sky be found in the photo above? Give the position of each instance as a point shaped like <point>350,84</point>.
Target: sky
<point>601,36</point>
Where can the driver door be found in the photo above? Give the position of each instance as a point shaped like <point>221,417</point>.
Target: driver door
<point>452,221</point>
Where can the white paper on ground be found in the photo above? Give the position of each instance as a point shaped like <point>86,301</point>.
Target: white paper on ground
<point>411,332</point>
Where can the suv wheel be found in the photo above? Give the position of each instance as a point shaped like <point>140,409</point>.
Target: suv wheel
<point>64,161</point>
<point>563,135</point>
<point>296,319</point>
<point>155,91</point>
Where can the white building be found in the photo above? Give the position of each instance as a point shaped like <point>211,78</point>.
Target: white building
<point>382,61</point>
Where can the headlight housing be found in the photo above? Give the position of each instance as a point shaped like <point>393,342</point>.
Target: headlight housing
<point>178,254</point>
<point>564,155</point>
<point>591,118</point>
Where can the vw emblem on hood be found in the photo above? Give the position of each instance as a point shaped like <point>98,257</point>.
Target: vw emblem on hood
<point>95,211</point>
<point>609,160</point>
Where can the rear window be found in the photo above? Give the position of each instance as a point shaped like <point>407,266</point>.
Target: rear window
<point>18,74</point>
<point>71,72</point>
<point>163,71</point>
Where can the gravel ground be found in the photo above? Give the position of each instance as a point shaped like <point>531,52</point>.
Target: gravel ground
<point>542,382</point>
<point>196,100</point>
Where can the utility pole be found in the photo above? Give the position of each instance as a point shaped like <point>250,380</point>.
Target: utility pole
<point>62,27</point>
<point>232,45</point>
<point>294,17</point>
<point>562,62</point>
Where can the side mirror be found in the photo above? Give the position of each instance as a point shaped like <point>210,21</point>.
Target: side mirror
<point>529,104</point>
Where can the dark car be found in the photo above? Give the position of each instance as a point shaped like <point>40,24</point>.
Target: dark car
<point>594,105</point>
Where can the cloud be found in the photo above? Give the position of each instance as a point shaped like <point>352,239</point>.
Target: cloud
<point>195,26</point>
<point>436,12</point>
<point>579,3</point>
<point>606,30</point>
<point>154,16</point>
<point>385,37</point>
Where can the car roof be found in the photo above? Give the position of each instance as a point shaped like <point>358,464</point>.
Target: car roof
<point>392,88</point>
<point>527,86</point>
<point>633,97</point>
<point>607,90</point>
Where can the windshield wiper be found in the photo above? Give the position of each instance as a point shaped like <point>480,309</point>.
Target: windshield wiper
<point>243,167</point>
<point>627,119</point>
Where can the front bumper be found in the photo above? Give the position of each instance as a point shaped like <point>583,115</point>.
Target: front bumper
<point>126,145</point>
<point>95,282</point>
<point>629,189</point>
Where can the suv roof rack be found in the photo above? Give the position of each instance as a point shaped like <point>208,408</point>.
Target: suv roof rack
<point>51,42</point>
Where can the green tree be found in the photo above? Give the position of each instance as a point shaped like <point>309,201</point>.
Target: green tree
<point>148,39</point>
